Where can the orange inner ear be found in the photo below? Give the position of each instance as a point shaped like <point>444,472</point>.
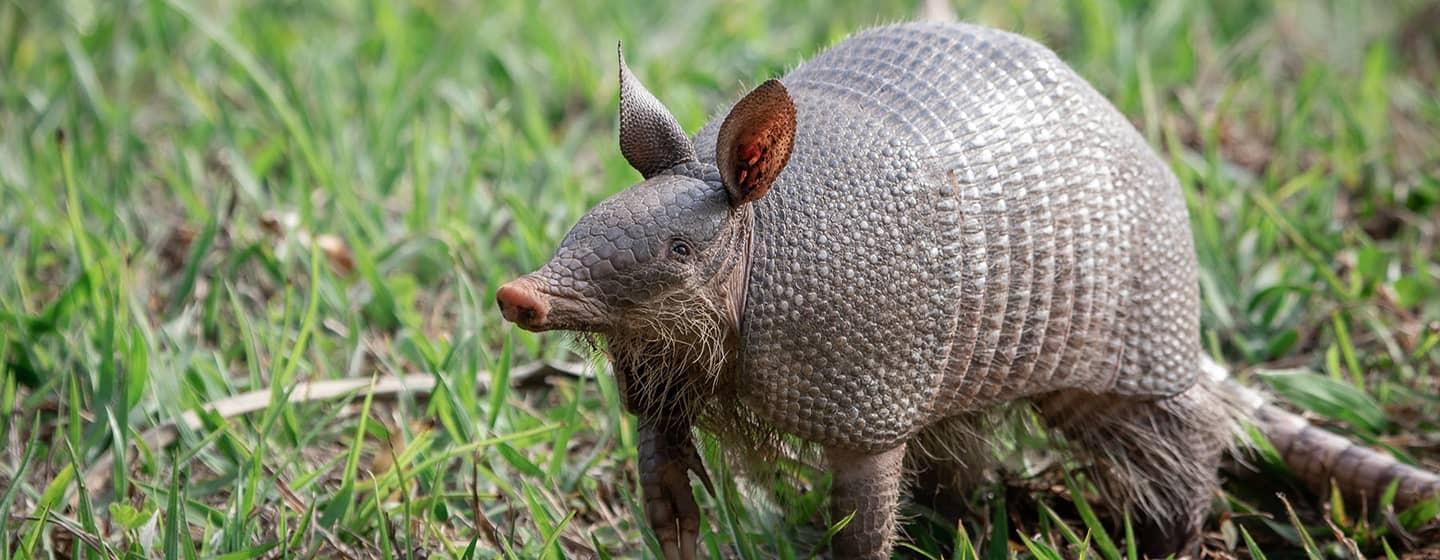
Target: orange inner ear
<point>750,153</point>
<point>755,140</point>
<point>755,172</point>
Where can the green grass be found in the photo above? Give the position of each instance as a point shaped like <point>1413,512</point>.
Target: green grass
<point>204,199</point>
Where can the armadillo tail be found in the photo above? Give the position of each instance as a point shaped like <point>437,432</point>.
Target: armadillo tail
<point>1317,457</point>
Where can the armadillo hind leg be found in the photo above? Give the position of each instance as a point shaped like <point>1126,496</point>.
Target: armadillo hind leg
<point>867,485</point>
<point>1157,460</point>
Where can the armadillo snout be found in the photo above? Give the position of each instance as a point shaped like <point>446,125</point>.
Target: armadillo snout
<point>521,303</point>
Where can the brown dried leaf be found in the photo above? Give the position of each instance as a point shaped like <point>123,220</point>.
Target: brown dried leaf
<point>337,252</point>
<point>278,224</point>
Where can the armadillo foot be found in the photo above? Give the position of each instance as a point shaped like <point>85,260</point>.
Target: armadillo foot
<point>667,456</point>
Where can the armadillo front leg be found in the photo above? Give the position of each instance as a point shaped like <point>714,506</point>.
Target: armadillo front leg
<point>867,485</point>
<point>667,456</point>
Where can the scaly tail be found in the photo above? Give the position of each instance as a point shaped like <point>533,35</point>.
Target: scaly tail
<point>1317,456</point>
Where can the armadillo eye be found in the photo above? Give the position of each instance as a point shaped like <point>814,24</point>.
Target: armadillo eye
<point>680,248</point>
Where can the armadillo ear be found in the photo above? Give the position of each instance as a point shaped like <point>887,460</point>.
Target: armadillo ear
<point>755,141</point>
<point>650,137</point>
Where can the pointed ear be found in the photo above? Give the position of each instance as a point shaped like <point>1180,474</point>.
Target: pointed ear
<point>650,137</point>
<point>755,141</point>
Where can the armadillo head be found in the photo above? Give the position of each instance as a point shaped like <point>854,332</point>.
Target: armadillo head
<point>663,260</point>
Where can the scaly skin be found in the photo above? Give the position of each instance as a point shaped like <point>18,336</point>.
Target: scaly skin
<point>667,456</point>
<point>1318,457</point>
<point>966,222</point>
<point>925,222</point>
<point>867,485</point>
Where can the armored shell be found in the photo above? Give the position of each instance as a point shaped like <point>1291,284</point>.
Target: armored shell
<point>963,221</point>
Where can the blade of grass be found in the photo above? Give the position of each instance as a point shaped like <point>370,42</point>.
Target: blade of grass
<point>1092,521</point>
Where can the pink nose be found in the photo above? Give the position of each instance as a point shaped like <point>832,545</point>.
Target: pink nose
<point>522,304</point>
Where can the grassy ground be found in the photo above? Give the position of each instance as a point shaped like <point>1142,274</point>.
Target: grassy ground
<point>204,199</point>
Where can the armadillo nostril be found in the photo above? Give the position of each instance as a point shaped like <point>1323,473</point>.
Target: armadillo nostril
<point>521,304</point>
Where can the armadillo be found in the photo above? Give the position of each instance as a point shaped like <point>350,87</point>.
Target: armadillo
<point>925,222</point>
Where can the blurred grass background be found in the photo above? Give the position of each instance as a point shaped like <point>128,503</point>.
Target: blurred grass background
<point>201,199</point>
